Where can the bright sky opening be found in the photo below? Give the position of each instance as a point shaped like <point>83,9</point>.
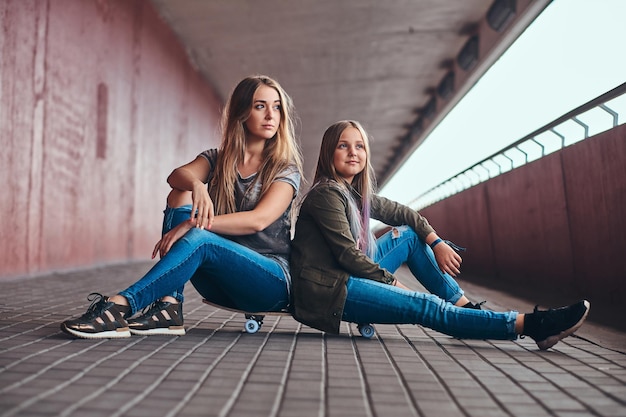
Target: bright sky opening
<point>571,54</point>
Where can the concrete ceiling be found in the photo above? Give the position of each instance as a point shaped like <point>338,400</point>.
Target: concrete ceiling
<point>378,62</point>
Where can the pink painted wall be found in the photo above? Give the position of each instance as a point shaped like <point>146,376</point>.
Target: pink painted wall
<point>98,104</point>
<point>556,224</point>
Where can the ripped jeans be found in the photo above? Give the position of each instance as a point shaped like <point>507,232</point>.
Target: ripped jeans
<point>222,271</point>
<point>172,217</point>
<point>373,302</point>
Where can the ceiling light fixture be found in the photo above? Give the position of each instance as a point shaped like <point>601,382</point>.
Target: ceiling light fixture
<point>468,57</point>
<point>501,13</point>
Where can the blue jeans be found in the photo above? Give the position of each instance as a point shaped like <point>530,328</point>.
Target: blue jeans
<point>222,271</point>
<point>172,217</point>
<point>369,301</point>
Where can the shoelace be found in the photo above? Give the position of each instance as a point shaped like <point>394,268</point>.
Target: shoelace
<point>153,308</point>
<point>95,309</point>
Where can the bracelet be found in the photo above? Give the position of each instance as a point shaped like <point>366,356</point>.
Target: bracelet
<point>435,243</point>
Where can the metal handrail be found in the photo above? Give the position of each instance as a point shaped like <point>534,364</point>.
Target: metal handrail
<point>443,190</point>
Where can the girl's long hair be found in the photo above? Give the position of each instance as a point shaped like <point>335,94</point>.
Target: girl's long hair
<point>359,192</point>
<point>279,152</point>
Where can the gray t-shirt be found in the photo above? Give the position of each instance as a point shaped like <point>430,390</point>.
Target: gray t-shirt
<point>275,240</point>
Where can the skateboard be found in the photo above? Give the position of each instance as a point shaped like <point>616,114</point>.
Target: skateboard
<point>254,320</point>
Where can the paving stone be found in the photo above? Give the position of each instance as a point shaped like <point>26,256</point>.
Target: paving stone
<point>286,369</point>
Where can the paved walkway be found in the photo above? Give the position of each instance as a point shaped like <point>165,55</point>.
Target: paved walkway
<point>287,369</point>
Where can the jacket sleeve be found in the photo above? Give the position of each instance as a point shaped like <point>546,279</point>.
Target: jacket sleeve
<point>396,214</point>
<point>328,208</point>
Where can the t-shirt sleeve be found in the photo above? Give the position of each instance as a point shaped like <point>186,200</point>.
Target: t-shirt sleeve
<point>211,156</point>
<point>291,176</point>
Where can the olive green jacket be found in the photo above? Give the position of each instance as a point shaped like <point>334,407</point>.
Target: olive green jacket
<point>324,253</point>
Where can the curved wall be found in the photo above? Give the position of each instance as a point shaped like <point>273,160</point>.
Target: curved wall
<point>98,104</point>
<point>557,224</point>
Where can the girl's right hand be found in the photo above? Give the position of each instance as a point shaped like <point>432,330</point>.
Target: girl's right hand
<point>165,244</point>
<point>448,260</point>
<point>202,203</point>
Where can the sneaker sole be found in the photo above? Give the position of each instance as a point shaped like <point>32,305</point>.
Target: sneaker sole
<point>554,339</point>
<point>111,334</point>
<point>171,331</point>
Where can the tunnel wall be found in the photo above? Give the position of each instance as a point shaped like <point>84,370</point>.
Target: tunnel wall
<point>555,224</point>
<point>98,104</point>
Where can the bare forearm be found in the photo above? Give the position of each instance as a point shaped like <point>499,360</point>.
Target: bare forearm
<point>183,179</point>
<point>238,224</point>
<point>270,208</point>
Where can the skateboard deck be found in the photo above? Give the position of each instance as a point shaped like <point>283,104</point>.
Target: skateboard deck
<point>254,319</point>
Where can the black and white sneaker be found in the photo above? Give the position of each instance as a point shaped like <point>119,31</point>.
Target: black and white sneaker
<point>548,327</point>
<point>161,317</point>
<point>103,319</point>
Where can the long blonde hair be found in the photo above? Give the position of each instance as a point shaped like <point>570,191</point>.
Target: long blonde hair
<point>279,152</point>
<point>362,188</point>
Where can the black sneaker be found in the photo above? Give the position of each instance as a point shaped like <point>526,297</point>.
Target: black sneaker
<point>103,319</point>
<point>550,326</point>
<point>161,317</point>
<point>474,306</point>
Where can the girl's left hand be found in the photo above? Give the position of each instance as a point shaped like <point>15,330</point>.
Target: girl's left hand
<point>448,260</point>
<point>165,244</point>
